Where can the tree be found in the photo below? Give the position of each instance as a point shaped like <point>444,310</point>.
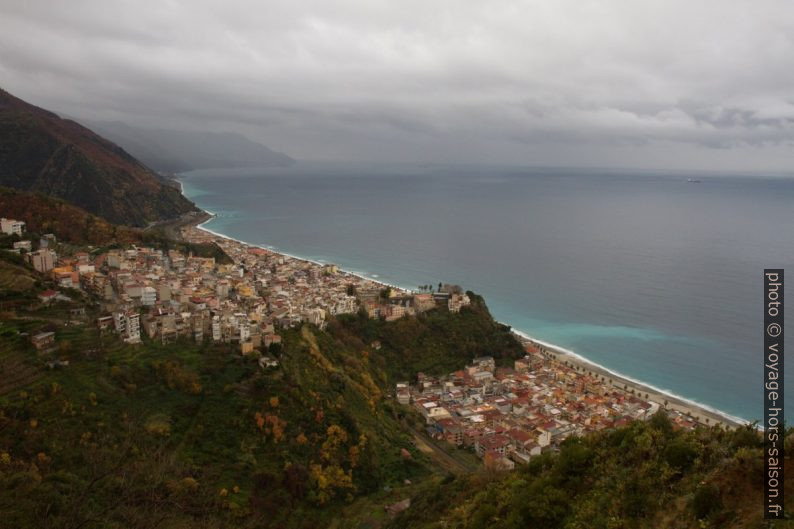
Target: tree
<point>680,453</point>
<point>706,501</point>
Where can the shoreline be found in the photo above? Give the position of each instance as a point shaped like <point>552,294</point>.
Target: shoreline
<point>212,215</point>
<point>697,411</point>
<point>627,384</point>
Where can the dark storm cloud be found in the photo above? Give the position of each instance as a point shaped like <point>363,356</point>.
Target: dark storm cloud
<point>608,82</point>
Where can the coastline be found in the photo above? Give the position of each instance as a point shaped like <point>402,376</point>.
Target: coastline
<point>699,412</point>
<point>199,224</point>
<point>702,413</point>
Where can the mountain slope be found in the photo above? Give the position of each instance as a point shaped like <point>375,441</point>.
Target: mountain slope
<point>195,435</point>
<point>41,152</point>
<point>43,214</point>
<point>177,150</point>
<point>73,225</point>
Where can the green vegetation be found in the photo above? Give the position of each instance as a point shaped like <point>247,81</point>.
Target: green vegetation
<point>15,275</point>
<point>187,435</point>
<point>436,342</point>
<point>644,475</point>
<point>69,223</point>
<point>195,435</point>
<point>75,226</point>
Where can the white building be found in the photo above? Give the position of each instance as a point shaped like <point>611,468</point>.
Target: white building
<point>245,331</point>
<point>128,325</point>
<point>11,226</point>
<point>216,329</point>
<point>43,260</point>
<point>148,296</point>
<point>457,301</point>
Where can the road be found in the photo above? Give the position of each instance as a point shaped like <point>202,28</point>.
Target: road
<point>440,455</point>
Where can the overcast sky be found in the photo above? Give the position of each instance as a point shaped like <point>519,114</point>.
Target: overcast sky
<point>657,84</point>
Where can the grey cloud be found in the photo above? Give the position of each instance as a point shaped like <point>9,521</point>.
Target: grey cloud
<point>602,82</point>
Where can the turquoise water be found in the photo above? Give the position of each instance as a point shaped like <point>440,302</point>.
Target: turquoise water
<point>646,274</point>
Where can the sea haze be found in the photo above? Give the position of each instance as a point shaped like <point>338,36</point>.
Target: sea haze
<point>649,275</point>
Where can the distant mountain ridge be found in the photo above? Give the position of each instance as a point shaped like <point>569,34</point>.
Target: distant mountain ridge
<point>174,151</point>
<point>41,152</point>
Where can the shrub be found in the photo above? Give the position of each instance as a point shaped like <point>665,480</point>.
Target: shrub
<point>706,501</point>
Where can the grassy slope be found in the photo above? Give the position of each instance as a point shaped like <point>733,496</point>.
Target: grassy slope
<point>15,276</point>
<point>129,436</point>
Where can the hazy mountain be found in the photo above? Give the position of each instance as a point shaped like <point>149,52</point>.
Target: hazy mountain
<point>41,152</point>
<point>178,150</point>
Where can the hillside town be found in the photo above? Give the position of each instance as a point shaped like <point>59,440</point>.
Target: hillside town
<point>509,415</point>
<point>505,415</point>
<point>166,295</point>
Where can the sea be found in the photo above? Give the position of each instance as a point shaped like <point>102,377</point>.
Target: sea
<point>655,276</point>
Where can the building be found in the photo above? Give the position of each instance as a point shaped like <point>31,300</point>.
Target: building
<point>457,301</point>
<point>48,296</point>
<point>216,329</point>
<point>12,227</point>
<point>43,260</point>
<point>43,340</point>
<point>23,245</point>
<point>164,293</point>
<point>148,296</point>
<point>128,325</point>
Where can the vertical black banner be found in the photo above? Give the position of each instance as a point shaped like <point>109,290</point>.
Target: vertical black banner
<point>773,394</point>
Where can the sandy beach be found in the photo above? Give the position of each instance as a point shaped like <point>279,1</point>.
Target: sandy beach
<point>698,413</point>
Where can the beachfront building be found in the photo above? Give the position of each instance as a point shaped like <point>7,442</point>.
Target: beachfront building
<point>517,413</point>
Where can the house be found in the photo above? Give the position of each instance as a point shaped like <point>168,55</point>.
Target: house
<point>267,361</point>
<point>484,363</point>
<point>48,295</point>
<point>424,302</point>
<point>270,339</point>
<point>104,322</point>
<point>492,443</point>
<point>458,301</point>
<point>43,340</point>
<point>23,245</point>
<point>494,459</point>
<point>11,226</point>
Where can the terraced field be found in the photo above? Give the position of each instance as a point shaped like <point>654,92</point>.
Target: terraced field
<point>18,363</point>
